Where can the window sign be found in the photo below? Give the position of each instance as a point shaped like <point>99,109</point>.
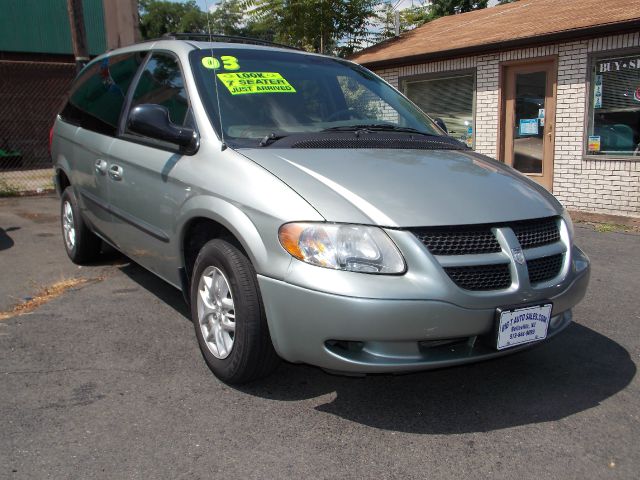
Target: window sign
<point>597,92</point>
<point>470,136</point>
<point>541,117</point>
<point>528,126</point>
<point>614,111</point>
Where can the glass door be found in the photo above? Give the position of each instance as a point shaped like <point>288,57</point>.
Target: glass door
<point>529,115</point>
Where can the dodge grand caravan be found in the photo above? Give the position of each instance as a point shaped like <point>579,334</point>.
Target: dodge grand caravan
<point>308,211</point>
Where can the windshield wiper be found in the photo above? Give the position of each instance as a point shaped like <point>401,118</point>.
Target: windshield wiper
<point>377,127</point>
<point>269,139</point>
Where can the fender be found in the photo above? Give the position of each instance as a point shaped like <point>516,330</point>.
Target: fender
<point>234,220</point>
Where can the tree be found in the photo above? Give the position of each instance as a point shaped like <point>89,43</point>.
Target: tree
<point>158,17</point>
<point>442,8</point>
<point>228,18</point>
<point>415,16</point>
<point>410,18</point>
<point>504,2</point>
<point>324,26</point>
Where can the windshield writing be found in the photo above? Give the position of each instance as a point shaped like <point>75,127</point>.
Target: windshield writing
<point>264,92</point>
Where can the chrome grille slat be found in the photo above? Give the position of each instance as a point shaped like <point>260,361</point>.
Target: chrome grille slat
<point>545,251</point>
<point>472,260</point>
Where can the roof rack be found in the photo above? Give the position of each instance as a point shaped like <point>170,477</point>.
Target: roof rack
<point>215,37</point>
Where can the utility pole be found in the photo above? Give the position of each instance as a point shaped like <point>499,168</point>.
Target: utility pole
<point>396,23</point>
<point>78,33</point>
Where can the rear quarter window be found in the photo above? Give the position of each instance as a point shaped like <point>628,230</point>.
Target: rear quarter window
<point>98,95</point>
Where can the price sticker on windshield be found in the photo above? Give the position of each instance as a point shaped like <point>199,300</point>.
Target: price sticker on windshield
<point>242,83</point>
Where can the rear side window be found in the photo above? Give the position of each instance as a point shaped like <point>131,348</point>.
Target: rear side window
<point>161,83</point>
<point>97,97</point>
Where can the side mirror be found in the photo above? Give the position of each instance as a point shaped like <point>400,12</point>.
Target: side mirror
<point>438,121</point>
<point>153,121</point>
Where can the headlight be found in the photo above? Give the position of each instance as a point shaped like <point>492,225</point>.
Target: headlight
<point>354,248</point>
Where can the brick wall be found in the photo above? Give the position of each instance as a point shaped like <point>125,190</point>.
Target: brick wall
<point>603,186</point>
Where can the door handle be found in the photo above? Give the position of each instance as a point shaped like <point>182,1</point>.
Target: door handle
<point>101,167</point>
<point>115,172</point>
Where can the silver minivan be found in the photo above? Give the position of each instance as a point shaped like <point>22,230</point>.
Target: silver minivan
<point>308,211</point>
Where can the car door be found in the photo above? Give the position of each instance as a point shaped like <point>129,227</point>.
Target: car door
<point>95,105</point>
<point>145,190</point>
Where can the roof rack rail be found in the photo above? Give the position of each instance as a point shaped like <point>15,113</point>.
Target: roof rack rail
<point>215,37</point>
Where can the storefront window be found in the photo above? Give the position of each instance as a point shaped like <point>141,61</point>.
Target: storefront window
<point>614,109</point>
<point>449,98</point>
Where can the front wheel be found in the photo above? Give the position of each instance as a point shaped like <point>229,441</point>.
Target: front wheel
<point>228,315</point>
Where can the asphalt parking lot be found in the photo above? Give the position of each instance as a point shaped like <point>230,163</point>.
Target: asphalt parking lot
<point>106,381</point>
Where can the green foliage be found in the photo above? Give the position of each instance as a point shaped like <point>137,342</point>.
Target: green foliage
<point>442,8</point>
<point>7,189</point>
<point>158,17</point>
<point>228,18</point>
<point>326,26</point>
<point>415,16</point>
<point>410,18</point>
<point>504,2</point>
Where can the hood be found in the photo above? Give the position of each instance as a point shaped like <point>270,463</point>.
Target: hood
<point>407,188</point>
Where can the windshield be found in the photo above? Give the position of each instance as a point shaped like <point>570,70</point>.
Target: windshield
<point>278,93</point>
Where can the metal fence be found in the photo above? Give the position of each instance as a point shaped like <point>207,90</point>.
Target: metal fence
<point>31,94</point>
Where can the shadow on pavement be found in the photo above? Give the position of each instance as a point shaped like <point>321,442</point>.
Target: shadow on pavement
<point>155,285</point>
<point>6,241</point>
<point>572,373</point>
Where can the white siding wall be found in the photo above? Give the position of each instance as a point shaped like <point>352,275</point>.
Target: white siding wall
<point>603,186</point>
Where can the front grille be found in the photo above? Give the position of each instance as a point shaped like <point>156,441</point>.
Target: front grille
<point>480,239</point>
<point>457,241</point>
<point>481,277</point>
<point>544,268</point>
<point>535,233</point>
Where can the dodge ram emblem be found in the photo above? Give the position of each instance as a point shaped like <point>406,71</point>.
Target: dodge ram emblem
<point>518,256</point>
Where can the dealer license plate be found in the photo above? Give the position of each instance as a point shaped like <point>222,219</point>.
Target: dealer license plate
<point>523,325</point>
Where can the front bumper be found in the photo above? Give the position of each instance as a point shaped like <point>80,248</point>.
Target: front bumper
<point>374,335</point>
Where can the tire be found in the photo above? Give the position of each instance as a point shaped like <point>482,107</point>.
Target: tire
<point>81,244</point>
<point>228,315</point>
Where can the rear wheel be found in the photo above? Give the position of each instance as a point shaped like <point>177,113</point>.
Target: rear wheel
<point>228,315</point>
<point>81,244</point>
